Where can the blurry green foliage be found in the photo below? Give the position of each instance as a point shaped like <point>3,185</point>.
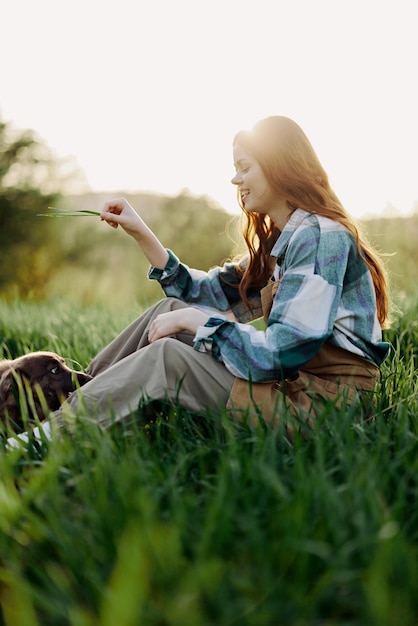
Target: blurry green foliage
<point>199,232</point>
<point>86,261</point>
<point>26,242</point>
<point>105,266</point>
<point>396,237</point>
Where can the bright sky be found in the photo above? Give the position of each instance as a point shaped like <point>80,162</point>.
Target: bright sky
<point>147,95</point>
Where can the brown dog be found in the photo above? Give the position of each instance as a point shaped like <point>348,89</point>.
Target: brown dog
<point>48,380</point>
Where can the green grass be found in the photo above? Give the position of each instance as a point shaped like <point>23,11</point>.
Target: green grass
<point>184,522</point>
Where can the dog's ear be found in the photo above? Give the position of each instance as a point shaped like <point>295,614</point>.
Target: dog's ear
<point>9,380</point>
<point>10,401</point>
<point>9,390</point>
<point>5,384</point>
<point>19,367</point>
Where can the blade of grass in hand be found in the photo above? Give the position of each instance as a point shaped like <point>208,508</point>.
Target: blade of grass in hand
<point>56,212</point>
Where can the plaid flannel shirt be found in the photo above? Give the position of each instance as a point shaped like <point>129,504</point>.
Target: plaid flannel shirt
<point>326,293</point>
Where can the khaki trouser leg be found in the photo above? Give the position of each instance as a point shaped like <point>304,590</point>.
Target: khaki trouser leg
<point>135,337</point>
<point>130,371</point>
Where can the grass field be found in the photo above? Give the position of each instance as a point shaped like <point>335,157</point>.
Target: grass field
<point>180,523</point>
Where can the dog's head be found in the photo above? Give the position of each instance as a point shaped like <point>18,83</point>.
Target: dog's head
<point>45,374</point>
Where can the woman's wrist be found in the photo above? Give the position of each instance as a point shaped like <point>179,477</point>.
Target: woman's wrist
<point>151,247</point>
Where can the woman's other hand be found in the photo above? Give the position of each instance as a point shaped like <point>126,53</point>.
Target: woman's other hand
<point>173,322</point>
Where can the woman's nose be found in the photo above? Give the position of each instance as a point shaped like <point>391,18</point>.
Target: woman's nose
<point>236,179</point>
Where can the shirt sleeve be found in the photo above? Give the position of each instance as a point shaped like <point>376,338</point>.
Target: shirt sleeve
<point>217,288</point>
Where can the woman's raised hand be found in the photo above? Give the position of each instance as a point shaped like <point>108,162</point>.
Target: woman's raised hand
<point>120,213</point>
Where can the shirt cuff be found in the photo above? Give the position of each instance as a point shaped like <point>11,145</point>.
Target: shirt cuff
<point>155,273</point>
<point>205,340</point>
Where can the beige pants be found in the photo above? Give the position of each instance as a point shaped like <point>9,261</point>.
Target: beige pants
<point>130,371</point>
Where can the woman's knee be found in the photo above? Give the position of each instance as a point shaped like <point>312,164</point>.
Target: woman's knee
<point>169,353</point>
<point>179,363</point>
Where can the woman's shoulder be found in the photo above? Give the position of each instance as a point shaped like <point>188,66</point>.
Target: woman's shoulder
<point>323,245</point>
<point>314,239</point>
<point>302,220</point>
<point>304,226</point>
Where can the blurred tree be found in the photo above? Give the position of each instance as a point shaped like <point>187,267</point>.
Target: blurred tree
<point>196,229</point>
<point>105,266</point>
<point>29,183</point>
<point>81,259</point>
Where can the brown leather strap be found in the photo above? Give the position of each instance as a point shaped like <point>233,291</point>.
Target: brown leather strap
<point>267,296</point>
<point>333,363</point>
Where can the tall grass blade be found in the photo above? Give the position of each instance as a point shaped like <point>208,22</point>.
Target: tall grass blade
<point>56,212</point>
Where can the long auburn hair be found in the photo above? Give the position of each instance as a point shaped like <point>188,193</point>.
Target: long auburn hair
<point>294,171</point>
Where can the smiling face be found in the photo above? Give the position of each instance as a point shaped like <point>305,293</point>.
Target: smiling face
<point>256,195</point>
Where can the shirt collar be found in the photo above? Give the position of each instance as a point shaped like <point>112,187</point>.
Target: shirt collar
<point>294,221</point>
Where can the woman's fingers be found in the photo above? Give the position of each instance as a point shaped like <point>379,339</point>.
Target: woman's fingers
<point>115,206</point>
<point>113,212</point>
<point>109,218</point>
<point>173,322</point>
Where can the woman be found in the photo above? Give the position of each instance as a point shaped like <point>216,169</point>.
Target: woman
<point>321,288</point>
